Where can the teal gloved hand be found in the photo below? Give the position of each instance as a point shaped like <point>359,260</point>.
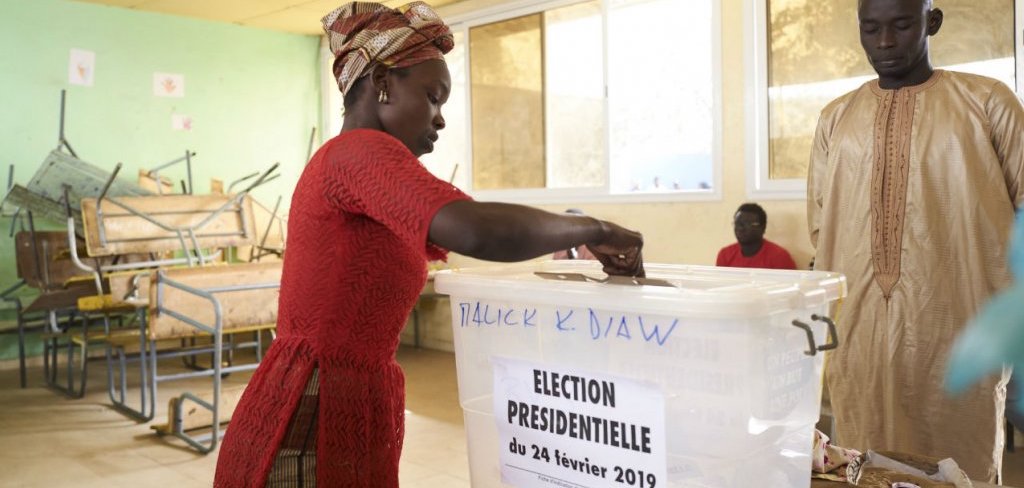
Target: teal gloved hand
<point>1016,256</point>
<point>996,336</point>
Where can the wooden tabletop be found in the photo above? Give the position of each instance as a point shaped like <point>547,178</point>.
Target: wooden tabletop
<point>835,484</point>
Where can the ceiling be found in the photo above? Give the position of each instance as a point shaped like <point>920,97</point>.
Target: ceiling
<point>298,16</point>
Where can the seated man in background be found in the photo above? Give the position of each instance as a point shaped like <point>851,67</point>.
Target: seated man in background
<point>752,250</point>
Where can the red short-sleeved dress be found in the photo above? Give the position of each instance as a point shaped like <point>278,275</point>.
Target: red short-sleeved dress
<point>326,405</point>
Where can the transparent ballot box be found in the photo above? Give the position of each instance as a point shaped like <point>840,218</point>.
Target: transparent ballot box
<point>693,377</point>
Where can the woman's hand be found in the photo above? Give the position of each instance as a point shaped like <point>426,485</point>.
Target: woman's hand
<point>619,251</point>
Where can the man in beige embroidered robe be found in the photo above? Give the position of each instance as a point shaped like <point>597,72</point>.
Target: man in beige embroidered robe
<point>913,183</point>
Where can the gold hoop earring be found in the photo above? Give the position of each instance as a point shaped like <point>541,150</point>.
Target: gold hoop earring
<point>382,97</point>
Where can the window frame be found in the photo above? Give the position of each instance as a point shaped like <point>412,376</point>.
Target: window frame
<point>463,22</point>
<point>331,103</point>
<point>760,186</point>
<point>1018,45</point>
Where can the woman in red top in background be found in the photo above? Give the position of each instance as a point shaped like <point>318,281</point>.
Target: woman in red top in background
<point>326,405</point>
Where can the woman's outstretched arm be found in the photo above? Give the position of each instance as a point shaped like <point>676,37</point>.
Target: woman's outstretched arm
<point>508,232</point>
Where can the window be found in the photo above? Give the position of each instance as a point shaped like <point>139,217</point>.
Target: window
<point>507,103</point>
<point>575,119</point>
<point>448,161</point>
<point>599,99</point>
<point>792,35</point>
<point>661,95</point>
<point>331,104</point>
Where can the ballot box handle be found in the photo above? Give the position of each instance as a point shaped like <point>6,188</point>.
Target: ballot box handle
<point>812,346</point>
<point>833,337</point>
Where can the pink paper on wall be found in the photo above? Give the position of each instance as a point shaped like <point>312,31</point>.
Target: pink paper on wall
<point>169,85</point>
<point>81,67</point>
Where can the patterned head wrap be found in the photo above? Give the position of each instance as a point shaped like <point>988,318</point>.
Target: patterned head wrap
<point>365,34</point>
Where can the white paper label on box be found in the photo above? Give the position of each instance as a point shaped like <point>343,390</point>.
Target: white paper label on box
<point>561,426</point>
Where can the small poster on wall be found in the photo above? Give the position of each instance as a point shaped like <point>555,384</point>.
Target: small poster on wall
<point>181,122</point>
<point>81,67</point>
<point>168,85</point>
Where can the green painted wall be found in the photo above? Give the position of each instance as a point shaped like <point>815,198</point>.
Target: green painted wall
<point>253,95</point>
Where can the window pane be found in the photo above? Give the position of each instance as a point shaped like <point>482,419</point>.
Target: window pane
<point>976,36</point>
<point>506,76</point>
<point>574,96</point>
<point>660,95</point>
<point>449,156</point>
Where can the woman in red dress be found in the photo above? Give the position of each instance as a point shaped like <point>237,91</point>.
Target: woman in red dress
<point>326,405</point>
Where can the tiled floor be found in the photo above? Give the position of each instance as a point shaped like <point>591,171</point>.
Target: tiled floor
<point>47,440</point>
